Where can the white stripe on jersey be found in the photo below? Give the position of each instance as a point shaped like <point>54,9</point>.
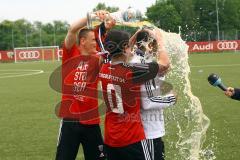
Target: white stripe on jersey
<point>139,65</point>
<point>142,66</point>
<point>160,99</point>
<point>148,89</point>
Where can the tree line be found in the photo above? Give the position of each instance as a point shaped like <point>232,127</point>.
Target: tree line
<point>22,33</point>
<point>199,16</point>
<point>188,16</point>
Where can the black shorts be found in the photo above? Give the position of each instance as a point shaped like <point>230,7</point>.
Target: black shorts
<point>136,151</point>
<point>72,134</point>
<point>156,148</point>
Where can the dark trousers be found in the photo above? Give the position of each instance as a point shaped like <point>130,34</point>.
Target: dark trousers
<point>72,134</point>
<point>156,148</point>
<point>136,151</point>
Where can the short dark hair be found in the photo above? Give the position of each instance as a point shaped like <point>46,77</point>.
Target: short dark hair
<point>143,36</point>
<point>116,41</point>
<point>83,33</point>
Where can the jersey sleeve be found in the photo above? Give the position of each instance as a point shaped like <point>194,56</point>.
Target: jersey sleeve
<point>144,72</point>
<point>67,53</point>
<point>160,102</point>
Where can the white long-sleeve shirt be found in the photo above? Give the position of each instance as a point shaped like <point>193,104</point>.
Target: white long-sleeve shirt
<point>153,104</point>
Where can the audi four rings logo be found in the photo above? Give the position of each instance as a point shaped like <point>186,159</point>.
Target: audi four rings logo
<point>227,45</point>
<point>29,54</point>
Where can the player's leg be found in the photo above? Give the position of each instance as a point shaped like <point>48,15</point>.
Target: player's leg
<point>136,151</point>
<point>92,143</point>
<point>114,153</point>
<point>141,149</point>
<point>156,147</point>
<point>68,141</point>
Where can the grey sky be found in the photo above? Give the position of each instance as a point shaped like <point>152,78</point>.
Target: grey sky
<point>69,10</point>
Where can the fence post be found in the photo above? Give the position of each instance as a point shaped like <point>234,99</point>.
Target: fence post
<point>54,35</point>
<point>12,39</point>
<point>209,35</point>
<point>40,36</point>
<point>195,36</point>
<point>223,37</point>
<point>26,37</point>
<point>236,35</point>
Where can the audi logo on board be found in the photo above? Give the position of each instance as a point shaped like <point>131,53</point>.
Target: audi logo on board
<point>227,45</point>
<point>29,55</point>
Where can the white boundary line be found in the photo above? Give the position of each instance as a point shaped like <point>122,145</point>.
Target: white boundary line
<point>33,72</point>
<point>14,73</point>
<point>217,65</point>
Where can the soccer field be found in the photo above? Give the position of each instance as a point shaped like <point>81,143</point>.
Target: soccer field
<point>29,127</point>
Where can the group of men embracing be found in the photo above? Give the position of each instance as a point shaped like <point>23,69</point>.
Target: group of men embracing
<point>131,71</point>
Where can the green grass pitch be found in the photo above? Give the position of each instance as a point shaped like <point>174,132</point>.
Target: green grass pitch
<point>29,127</point>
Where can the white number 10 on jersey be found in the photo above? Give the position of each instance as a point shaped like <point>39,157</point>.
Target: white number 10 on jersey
<point>118,93</point>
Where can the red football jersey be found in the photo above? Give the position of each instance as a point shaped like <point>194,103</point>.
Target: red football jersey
<point>122,97</point>
<point>79,86</point>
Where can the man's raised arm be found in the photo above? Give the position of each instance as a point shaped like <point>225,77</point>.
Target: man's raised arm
<point>73,30</point>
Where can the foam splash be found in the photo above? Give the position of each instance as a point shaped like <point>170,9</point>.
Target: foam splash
<point>186,124</point>
<point>191,122</point>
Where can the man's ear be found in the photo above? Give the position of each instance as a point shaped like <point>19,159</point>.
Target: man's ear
<point>82,41</point>
<point>125,49</point>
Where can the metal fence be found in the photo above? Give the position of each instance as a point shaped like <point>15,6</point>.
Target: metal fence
<point>35,38</point>
<point>211,35</point>
<point>13,38</point>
